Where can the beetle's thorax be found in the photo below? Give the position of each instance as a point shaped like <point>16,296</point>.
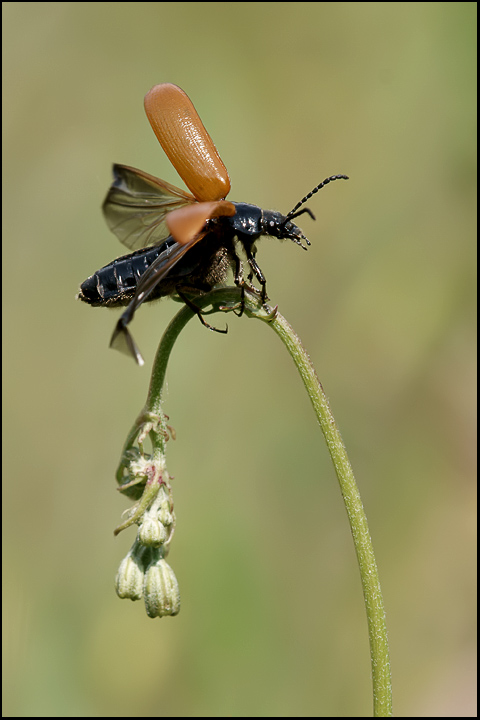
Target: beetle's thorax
<point>250,220</point>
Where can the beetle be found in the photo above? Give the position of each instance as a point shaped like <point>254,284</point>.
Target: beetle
<point>183,243</point>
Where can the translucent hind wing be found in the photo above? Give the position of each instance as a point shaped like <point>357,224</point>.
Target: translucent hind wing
<point>136,206</point>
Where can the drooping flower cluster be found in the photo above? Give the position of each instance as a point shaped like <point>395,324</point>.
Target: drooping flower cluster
<point>144,572</point>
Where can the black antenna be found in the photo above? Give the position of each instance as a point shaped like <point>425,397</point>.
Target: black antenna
<point>293,213</point>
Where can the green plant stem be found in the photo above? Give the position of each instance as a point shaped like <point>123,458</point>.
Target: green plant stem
<point>230,297</point>
<point>377,629</point>
<point>216,298</point>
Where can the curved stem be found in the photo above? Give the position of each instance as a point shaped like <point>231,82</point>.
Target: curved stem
<point>229,299</point>
<point>377,630</point>
<point>216,298</point>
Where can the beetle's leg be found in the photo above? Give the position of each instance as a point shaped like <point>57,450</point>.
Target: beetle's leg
<point>197,311</point>
<point>238,276</point>
<point>255,269</point>
<point>239,282</point>
<point>253,251</point>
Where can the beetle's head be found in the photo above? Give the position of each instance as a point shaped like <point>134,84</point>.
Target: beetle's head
<point>282,227</point>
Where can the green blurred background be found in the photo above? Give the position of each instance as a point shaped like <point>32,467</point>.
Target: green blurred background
<point>272,620</point>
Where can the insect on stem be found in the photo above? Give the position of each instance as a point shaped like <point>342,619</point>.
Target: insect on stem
<point>181,244</point>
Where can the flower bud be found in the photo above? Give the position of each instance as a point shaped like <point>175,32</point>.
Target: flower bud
<point>164,514</point>
<point>151,532</point>
<point>129,580</point>
<point>160,590</point>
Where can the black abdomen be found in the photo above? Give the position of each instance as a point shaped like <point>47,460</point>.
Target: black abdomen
<point>115,284</point>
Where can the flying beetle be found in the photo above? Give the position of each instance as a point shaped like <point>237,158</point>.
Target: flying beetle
<point>183,243</point>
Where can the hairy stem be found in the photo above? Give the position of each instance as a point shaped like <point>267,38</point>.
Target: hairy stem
<point>228,299</point>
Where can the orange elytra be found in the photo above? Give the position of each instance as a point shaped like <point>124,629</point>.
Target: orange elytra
<point>186,142</point>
